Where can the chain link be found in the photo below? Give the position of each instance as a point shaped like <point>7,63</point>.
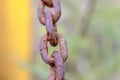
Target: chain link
<point>49,19</point>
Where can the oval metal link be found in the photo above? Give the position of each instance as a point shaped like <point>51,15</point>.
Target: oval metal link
<point>56,13</point>
<point>51,31</point>
<point>55,41</point>
<point>63,47</point>
<point>58,65</point>
<point>41,13</point>
<point>44,49</point>
<point>57,10</point>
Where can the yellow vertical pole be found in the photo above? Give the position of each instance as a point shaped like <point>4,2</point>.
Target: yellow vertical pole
<point>2,38</point>
<point>17,40</point>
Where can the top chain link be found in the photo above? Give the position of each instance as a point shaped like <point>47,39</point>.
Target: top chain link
<point>55,14</point>
<point>49,19</point>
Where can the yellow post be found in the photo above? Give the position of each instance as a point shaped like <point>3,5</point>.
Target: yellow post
<point>15,38</point>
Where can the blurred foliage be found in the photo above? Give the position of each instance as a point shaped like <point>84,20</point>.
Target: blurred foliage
<point>96,56</point>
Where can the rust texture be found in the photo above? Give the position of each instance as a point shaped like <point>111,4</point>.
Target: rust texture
<point>56,13</point>
<point>57,58</point>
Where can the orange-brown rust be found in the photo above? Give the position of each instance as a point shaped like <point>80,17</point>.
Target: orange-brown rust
<point>57,58</point>
<point>48,3</point>
<point>52,75</point>
<point>44,49</point>
<point>50,29</point>
<point>58,65</point>
<point>56,13</point>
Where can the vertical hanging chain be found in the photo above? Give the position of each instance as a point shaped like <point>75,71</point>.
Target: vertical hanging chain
<point>49,19</point>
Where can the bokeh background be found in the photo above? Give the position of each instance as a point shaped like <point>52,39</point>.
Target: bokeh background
<point>92,31</point>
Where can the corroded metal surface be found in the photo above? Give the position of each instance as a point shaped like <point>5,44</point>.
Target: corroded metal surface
<point>49,19</point>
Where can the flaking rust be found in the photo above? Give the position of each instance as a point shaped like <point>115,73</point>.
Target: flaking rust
<point>57,58</point>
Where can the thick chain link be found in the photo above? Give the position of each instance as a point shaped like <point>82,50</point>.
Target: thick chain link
<point>49,19</point>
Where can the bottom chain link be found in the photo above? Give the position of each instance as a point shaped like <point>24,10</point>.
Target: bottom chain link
<point>57,70</point>
<point>57,58</point>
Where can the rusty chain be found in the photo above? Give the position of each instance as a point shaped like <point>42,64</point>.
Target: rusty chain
<point>49,19</point>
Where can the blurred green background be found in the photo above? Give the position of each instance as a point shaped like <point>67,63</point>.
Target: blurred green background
<point>91,28</point>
